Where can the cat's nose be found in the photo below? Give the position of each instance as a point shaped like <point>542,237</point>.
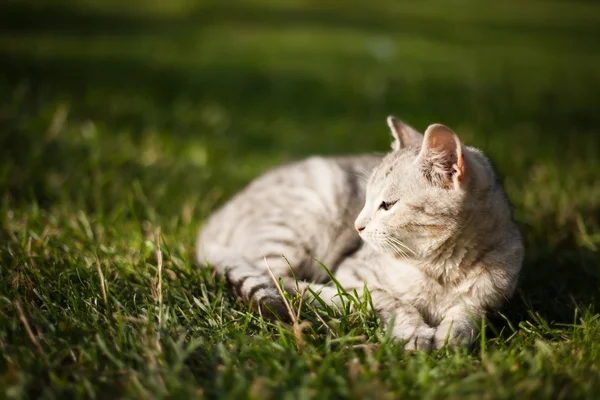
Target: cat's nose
<point>359,228</point>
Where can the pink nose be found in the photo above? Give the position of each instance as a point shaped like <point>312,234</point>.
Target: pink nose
<point>359,228</point>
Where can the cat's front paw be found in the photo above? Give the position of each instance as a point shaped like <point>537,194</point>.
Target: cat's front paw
<point>421,339</point>
<point>453,338</point>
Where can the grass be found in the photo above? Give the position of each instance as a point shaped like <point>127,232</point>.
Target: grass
<point>123,124</point>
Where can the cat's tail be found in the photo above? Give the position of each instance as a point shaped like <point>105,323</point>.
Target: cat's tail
<point>254,285</point>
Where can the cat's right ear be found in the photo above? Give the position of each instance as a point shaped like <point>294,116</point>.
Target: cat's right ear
<point>441,157</point>
<point>404,135</point>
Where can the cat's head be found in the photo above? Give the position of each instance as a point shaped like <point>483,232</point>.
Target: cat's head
<point>424,191</point>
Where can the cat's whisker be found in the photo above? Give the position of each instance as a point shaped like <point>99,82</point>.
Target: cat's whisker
<point>400,245</point>
<point>380,242</point>
<point>408,249</point>
<point>395,249</point>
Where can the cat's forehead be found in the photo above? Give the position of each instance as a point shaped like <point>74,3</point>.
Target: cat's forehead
<point>396,166</point>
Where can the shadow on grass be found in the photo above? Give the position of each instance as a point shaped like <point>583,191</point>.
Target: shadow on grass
<point>560,277</point>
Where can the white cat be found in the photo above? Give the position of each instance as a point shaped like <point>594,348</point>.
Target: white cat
<point>443,248</point>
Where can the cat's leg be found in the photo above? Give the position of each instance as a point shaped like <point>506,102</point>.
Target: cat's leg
<point>459,326</point>
<point>248,274</point>
<point>460,323</point>
<point>404,320</point>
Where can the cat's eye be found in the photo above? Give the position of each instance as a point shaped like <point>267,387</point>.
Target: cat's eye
<point>386,205</point>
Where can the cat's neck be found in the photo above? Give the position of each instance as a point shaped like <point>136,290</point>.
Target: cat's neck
<point>460,253</point>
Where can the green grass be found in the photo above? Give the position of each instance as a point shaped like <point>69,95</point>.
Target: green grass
<point>123,124</point>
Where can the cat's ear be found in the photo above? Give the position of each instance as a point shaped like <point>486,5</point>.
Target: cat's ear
<point>441,157</point>
<point>404,135</point>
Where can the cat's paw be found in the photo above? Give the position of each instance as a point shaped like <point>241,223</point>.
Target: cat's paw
<point>421,339</point>
<point>454,338</point>
<point>271,305</point>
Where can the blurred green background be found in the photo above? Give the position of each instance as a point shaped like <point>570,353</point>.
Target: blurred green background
<point>154,112</point>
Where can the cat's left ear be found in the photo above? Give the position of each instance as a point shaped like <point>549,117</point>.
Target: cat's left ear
<point>404,135</point>
<point>441,157</point>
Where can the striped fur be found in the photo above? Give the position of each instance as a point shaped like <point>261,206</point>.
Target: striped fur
<point>301,211</point>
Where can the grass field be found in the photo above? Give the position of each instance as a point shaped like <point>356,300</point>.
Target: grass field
<point>123,124</point>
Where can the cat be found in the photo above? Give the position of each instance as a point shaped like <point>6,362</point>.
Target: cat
<point>441,249</point>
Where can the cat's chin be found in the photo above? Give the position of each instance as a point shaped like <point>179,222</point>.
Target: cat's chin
<point>378,247</point>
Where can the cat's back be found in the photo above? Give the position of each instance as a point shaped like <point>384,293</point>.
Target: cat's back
<point>334,180</point>
<point>318,197</point>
